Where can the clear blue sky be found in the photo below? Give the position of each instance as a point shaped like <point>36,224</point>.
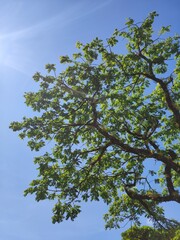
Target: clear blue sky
<point>32,34</point>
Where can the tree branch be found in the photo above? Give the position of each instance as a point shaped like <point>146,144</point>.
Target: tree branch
<point>154,196</point>
<point>169,182</point>
<point>139,151</point>
<point>163,85</point>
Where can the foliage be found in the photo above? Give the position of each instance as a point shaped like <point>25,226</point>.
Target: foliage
<point>139,233</point>
<point>114,120</point>
<point>149,233</point>
<point>177,235</point>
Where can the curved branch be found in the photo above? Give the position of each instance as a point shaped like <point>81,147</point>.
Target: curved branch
<point>169,182</point>
<point>144,204</point>
<point>153,196</point>
<point>139,151</point>
<point>163,85</point>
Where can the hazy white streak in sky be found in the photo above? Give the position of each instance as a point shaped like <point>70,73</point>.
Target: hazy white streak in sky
<point>13,51</point>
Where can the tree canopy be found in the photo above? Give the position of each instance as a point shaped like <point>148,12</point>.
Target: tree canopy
<point>113,117</point>
<point>149,233</point>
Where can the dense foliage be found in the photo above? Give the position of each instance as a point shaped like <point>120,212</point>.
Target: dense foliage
<point>114,120</point>
<point>149,233</point>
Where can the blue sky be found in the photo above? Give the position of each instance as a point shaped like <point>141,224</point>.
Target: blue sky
<point>32,34</point>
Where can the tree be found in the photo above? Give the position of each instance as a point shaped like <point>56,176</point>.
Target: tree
<point>149,233</point>
<point>114,120</point>
<point>177,235</point>
<point>141,233</point>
